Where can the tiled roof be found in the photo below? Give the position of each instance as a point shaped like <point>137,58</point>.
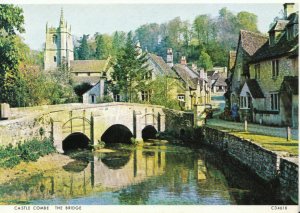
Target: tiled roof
<point>220,79</point>
<point>232,58</point>
<point>281,48</point>
<point>159,61</point>
<point>187,75</point>
<point>251,42</point>
<point>279,25</point>
<point>290,84</point>
<point>254,88</point>
<point>86,79</point>
<point>89,65</point>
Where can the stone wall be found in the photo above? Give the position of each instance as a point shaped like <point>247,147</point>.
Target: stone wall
<point>261,161</point>
<point>266,164</point>
<point>289,178</point>
<point>176,121</point>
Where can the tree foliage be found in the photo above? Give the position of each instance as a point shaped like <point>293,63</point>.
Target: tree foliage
<point>83,51</point>
<point>129,68</point>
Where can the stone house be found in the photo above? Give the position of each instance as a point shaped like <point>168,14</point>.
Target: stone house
<point>217,77</point>
<point>197,89</point>
<point>248,44</point>
<point>270,94</point>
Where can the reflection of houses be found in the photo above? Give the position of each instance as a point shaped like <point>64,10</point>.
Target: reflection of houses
<point>268,91</point>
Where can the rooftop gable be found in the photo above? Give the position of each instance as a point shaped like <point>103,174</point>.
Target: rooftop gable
<point>89,65</point>
<point>250,42</point>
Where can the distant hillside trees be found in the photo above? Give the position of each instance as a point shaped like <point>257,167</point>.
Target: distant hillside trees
<point>213,35</point>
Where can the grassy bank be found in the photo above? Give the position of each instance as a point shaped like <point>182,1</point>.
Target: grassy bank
<point>272,143</point>
<point>11,156</point>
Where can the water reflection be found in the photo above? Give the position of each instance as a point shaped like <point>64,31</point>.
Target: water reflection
<point>152,174</point>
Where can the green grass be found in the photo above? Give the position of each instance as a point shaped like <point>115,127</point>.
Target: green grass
<point>269,142</point>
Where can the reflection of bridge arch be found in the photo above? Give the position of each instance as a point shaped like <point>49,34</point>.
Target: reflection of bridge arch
<point>117,133</point>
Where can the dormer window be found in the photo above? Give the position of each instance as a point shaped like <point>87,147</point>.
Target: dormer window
<point>272,38</point>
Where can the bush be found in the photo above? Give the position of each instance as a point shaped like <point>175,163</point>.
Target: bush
<point>28,151</point>
<point>133,141</point>
<point>100,145</point>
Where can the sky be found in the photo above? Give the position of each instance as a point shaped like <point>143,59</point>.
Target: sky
<point>107,18</point>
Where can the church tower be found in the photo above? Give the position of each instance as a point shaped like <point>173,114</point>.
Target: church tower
<point>58,46</point>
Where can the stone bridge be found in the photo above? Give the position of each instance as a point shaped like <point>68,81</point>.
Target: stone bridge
<point>89,120</point>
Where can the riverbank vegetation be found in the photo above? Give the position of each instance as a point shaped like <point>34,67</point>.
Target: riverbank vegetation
<point>11,156</point>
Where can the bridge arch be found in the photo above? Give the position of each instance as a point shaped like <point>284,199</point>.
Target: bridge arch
<point>76,140</point>
<point>149,132</point>
<point>117,133</point>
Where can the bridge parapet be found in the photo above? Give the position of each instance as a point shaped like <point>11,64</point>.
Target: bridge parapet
<point>59,121</point>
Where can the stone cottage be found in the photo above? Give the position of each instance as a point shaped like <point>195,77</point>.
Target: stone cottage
<point>274,76</point>
<point>248,44</point>
<point>197,89</point>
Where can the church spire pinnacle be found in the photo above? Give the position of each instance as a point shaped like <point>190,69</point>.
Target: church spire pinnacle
<point>61,17</point>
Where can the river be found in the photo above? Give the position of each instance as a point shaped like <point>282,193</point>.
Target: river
<point>154,173</point>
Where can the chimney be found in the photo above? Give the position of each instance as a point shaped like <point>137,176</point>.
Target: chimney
<point>170,57</point>
<point>138,49</point>
<point>288,9</point>
<point>194,67</point>
<point>183,60</point>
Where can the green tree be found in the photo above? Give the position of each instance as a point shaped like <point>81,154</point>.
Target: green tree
<point>202,26</point>
<point>83,49</point>
<point>11,21</point>
<point>162,88</point>
<point>103,46</point>
<point>247,21</point>
<point>205,60</point>
<point>118,42</point>
<point>129,70</point>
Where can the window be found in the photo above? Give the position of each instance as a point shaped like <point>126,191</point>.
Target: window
<point>93,97</point>
<point>146,95</point>
<point>274,101</point>
<point>245,101</point>
<point>275,68</point>
<point>181,97</point>
<point>148,75</point>
<point>54,58</point>
<point>54,39</point>
<point>257,71</point>
<point>117,98</point>
<point>272,39</point>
